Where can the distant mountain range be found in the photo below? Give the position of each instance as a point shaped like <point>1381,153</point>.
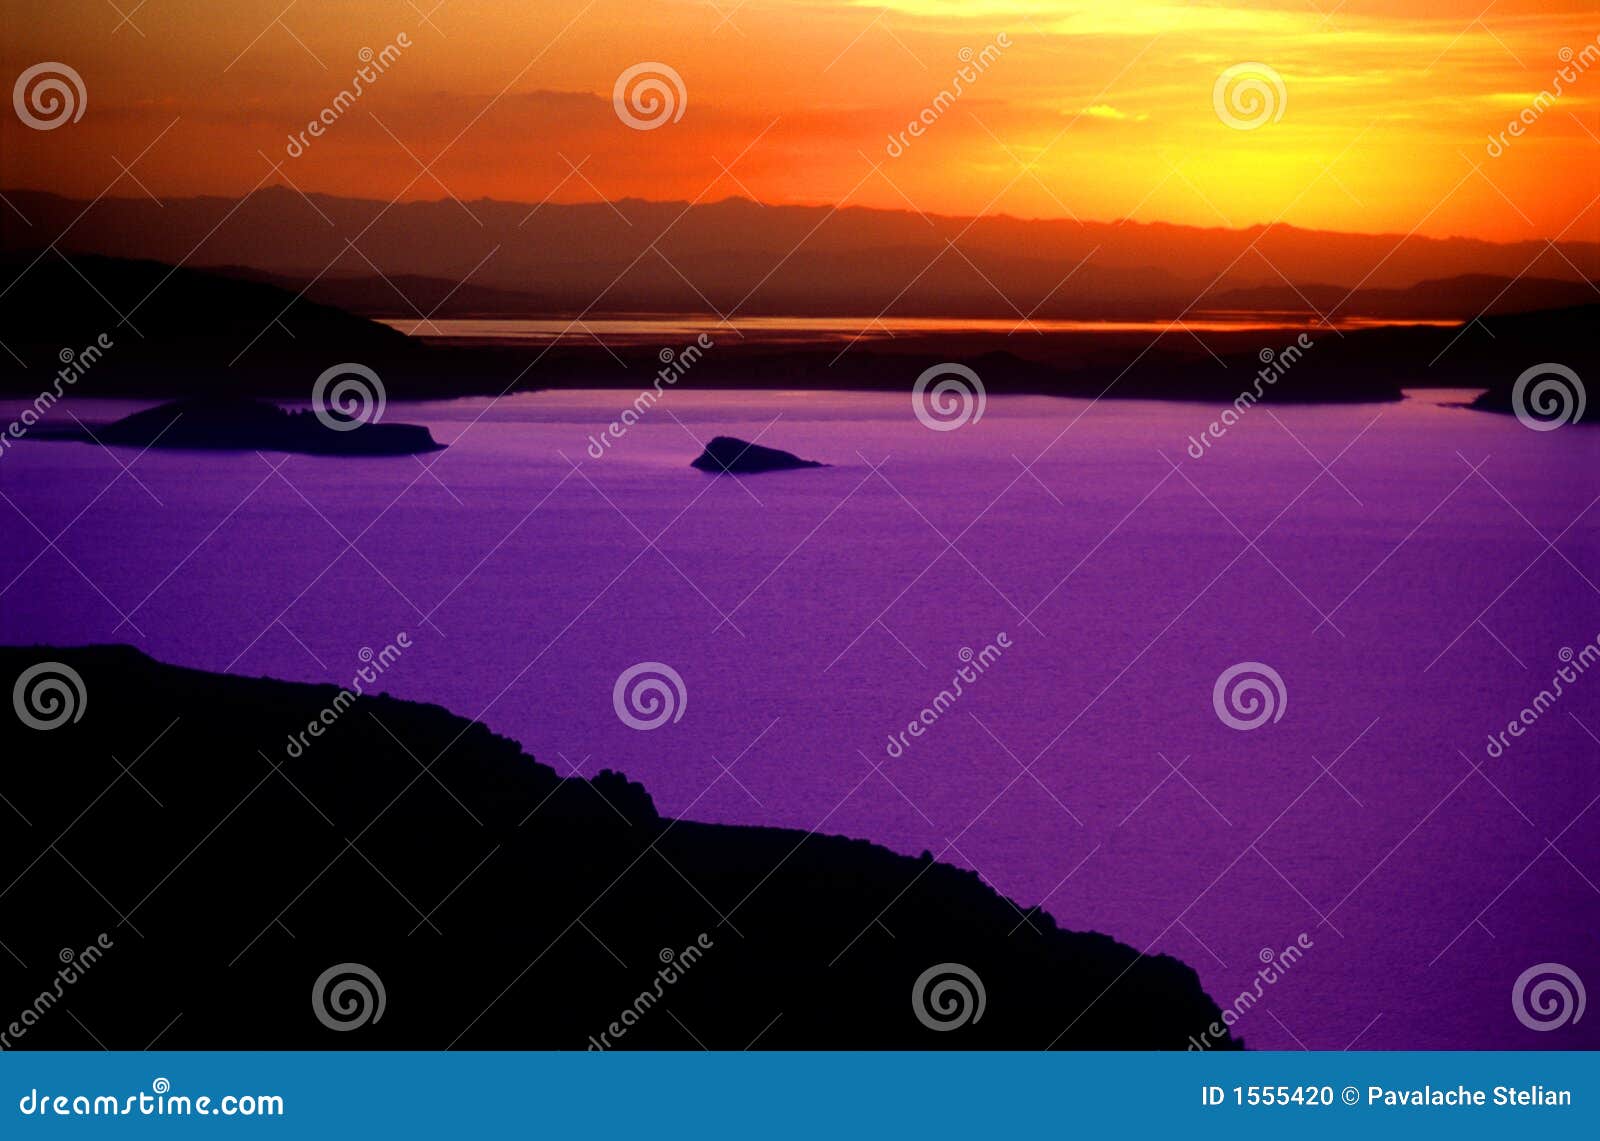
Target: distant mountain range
<point>739,256</point>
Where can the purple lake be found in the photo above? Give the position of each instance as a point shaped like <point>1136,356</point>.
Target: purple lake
<point>1414,595</point>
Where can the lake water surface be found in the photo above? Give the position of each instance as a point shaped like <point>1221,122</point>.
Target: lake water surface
<point>1408,595</point>
<point>620,331</point>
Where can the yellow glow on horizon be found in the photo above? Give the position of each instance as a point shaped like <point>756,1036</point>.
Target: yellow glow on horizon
<point>1093,111</point>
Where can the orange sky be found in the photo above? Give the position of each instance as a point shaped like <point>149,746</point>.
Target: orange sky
<point>1095,111</point>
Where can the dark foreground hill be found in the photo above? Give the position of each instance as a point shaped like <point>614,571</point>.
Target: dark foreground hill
<point>215,873</point>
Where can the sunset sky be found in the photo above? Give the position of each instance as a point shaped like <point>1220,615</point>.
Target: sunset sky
<point>1095,111</point>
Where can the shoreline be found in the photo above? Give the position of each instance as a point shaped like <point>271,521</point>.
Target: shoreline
<point>775,903</point>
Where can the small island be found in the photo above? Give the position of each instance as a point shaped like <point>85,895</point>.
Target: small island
<point>736,457</point>
<point>227,424</point>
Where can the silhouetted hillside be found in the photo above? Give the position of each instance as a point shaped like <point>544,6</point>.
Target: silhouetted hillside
<point>1564,338</point>
<point>1369,363</point>
<point>234,839</point>
<point>147,307</point>
<point>163,331</point>
<point>406,296</point>
<point>1451,298</point>
<point>198,329</point>
<point>409,297</point>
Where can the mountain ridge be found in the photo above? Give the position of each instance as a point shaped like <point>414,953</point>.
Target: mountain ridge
<point>736,255</point>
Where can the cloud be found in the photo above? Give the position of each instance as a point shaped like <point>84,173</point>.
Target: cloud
<point>1107,111</point>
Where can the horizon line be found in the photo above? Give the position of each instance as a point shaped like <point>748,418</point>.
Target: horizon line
<point>686,205</point>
